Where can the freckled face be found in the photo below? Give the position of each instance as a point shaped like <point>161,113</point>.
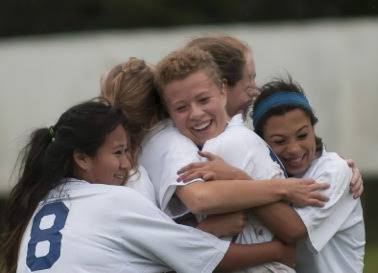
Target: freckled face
<point>292,137</point>
<point>197,106</point>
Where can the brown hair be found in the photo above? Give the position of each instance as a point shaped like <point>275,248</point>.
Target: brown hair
<point>228,53</point>
<point>181,63</point>
<point>131,86</point>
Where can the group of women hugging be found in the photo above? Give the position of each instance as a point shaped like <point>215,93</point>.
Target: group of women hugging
<point>160,173</point>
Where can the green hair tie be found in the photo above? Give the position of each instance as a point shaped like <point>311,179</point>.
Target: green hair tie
<point>52,133</point>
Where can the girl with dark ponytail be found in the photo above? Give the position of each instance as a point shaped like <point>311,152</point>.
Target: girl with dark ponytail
<point>48,158</point>
<point>69,211</point>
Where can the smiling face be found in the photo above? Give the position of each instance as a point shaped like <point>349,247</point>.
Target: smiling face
<point>292,138</point>
<point>240,96</point>
<point>111,163</point>
<point>197,106</point>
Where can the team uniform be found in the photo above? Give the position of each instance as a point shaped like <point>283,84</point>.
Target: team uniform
<point>336,234</point>
<point>83,227</point>
<point>240,147</point>
<point>165,150</point>
<point>140,181</point>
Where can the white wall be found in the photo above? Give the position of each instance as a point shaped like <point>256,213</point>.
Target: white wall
<point>335,61</point>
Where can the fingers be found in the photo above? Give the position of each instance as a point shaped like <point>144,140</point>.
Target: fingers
<point>189,176</point>
<point>320,197</point>
<point>359,192</point>
<point>357,189</point>
<point>319,186</point>
<point>209,176</point>
<point>356,175</point>
<point>302,181</point>
<point>190,167</point>
<point>350,163</point>
<point>315,203</point>
<point>356,184</point>
<point>208,155</point>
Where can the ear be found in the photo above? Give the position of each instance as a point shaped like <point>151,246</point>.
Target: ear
<point>82,160</point>
<point>224,91</point>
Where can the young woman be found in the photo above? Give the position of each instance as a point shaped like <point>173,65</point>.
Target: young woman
<point>331,238</point>
<point>162,160</point>
<point>334,234</point>
<point>236,65</point>
<point>70,212</point>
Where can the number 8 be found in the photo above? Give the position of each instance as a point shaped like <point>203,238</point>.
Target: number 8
<point>51,234</point>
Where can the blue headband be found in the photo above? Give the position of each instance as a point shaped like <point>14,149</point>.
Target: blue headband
<point>278,99</point>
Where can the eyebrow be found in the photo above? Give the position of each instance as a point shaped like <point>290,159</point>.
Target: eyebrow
<point>120,146</point>
<point>303,127</point>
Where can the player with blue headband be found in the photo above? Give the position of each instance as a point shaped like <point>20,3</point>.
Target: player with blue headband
<point>283,117</point>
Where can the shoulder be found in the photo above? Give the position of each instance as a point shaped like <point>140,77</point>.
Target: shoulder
<point>330,162</point>
<point>166,133</point>
<point>140,181</point>
<point>239,133</point>
<point>330,168</point>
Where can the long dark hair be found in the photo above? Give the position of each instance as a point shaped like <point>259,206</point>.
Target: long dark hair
<point>279,85</point>
<point>47,159</point>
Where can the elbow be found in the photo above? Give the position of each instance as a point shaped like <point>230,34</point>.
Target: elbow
<point>199,203</point>
<point>197,200</point>
<point>294,235</point>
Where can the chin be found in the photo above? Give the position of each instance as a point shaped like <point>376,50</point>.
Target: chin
<point>298,172</point>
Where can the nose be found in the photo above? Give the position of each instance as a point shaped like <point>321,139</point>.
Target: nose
<point>196,111</point>
<point>253,92</point>
<point>293,148</point>
<point>125,163</point>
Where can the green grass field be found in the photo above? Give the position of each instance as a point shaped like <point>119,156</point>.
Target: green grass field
<point>371,258</point>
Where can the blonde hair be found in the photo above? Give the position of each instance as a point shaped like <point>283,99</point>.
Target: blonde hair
<point>181,63</point>
<point>131,86</point>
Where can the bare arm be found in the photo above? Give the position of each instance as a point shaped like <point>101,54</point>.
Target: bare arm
<point>222,225</point>
<point>239,257</point>
<point>282,220</point>
<point>225,194</point>
<point>221,196</point>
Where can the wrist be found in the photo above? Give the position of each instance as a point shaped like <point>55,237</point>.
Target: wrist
<point>282,189</point>
<point>240,175</point>
<point>278,250</point>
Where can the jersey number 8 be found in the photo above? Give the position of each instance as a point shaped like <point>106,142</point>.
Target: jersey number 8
<point>52,235</point>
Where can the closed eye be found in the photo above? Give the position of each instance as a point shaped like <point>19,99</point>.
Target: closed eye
<point>279,142</point>
<point>302,136</point>
<point>118,152</point>
<point>204,100</point>
<point>180,108</point>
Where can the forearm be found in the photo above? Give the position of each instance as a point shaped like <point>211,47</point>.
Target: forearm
<point>215,197</point>
<point>282,220</point>
<point>240,257</point>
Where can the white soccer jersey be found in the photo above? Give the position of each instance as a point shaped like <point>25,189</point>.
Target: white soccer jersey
<point>164,151</point>
<point>140,181</point>
<point>336,233</point>
<point>83,227</point>
<point>242,148</point>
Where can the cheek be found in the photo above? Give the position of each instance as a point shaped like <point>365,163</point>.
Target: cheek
<point>178,120</point>
<point>277,149</point>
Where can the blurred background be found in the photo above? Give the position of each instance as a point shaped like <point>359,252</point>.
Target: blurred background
<point>53,53</point>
